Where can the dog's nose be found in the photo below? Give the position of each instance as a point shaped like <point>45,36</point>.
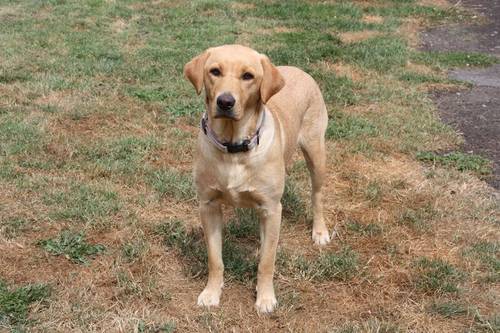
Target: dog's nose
<point>225,101</point>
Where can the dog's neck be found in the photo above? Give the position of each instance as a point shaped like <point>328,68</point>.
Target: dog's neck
<point>236,131</point>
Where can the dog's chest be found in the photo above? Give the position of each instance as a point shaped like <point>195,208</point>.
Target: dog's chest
<point>234,182</point>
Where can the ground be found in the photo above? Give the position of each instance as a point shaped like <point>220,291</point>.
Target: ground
<point>98,223</point>
<point>473,111</point>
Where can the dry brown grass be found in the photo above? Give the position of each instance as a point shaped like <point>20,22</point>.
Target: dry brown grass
<point>352,37</point>
<point>112,294</point>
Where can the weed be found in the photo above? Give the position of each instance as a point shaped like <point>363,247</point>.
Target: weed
<point>172,183</point>
<point>437,276</point>
<point>15,303</point>
<point>73,246</point>
<point>458,160</point>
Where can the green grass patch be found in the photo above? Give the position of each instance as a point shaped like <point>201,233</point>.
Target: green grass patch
<point>12,227</point>
<point>418,219</point>
<point>245,224</point>
<point>418,78</point>
<point>437,276</point>
<point>341,265</point>
<point>73,246</point>
<point>124,156</point>
<point>168,327</point>
<point>337,90</point>
<point>84,204</point>
<point>488,253</point>
<point>134,249</point>
<point>15,302</point>
<point>454,59</point>
<point>370,229</point>
<point>403,9</point>
<point>293,205</point>
<point>459,161</point>
<point>382,53</point>
<point>173,183</point>
<point>346,126</point>
<point>19,136</point>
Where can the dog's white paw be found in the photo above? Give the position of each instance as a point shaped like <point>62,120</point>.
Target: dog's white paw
<point>209,297</point>
<point>266,304</point>
<point>321,237</point>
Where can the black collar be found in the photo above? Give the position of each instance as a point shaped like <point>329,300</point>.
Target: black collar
<point>232,148</point>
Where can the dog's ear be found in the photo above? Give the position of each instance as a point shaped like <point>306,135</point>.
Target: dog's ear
<point>272,81</point>
<point>193,71</point>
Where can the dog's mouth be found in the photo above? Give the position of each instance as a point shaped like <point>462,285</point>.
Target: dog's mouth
<point>225,114</point>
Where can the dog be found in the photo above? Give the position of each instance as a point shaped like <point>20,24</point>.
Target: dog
<point>255,116</point>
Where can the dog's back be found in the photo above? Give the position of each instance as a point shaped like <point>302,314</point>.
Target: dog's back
<point>300,106</point>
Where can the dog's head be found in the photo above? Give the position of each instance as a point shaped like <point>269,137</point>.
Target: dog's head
<point>236,79</point>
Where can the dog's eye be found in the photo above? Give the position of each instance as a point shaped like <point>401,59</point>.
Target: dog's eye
<point>247,76</point>
<point>215,72</point>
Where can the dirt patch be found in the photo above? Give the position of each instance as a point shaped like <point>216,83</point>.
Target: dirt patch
<point>473,37</point>
<point>372,19</point>
<point>352,37</point>
<point>473,112</point>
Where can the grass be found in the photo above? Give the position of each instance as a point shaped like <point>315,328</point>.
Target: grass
<point>458,160</point>
<point>437,276</point>
<point>370,229</point>
<point>238,261</point>
<point>488,254</point>
<point>73,246</point>
<point>98,133</point>
<point>15,303</point>
<point>340,266</point>
<point>454,59</point>
<point>13,227</point>
<point>448,309</point>
<point>344,126</point>
<point>83,203</point>
<point>170,182</point>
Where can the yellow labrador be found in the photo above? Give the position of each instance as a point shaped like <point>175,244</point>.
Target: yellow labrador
<point>255,116</point>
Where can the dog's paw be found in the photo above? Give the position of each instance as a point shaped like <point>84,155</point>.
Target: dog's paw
<point>209,297</point>
<point>321,237</point>
<point>266,304</point>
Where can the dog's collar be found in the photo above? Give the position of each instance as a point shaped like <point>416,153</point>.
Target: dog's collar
<point>232,148</point>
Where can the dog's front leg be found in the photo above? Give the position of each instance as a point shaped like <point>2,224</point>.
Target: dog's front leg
<point>270,229</point>
<point>211,219</point>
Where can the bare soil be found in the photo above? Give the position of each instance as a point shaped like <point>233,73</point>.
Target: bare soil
<point>474,112</point>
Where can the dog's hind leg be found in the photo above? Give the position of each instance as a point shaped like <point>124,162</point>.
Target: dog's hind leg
<point>312,144</point>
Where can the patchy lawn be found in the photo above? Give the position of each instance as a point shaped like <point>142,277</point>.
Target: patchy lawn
<point>98,220</point>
